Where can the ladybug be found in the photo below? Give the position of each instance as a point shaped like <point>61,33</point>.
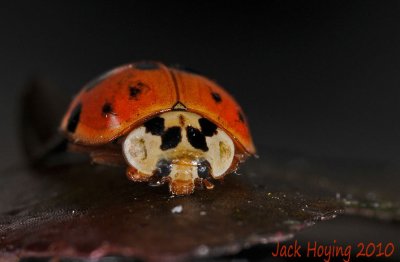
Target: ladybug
<point>165,124</point>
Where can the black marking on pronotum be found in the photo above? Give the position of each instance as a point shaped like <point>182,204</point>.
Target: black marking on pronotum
<point>204,169</point>
<point>155,126</point>
<point>107,109</point>
<point>146,65</point>
<point>163,168</point>
<point>196,138</point>
<point>171,138</point>
<point>241,117</point>
<point>73,120</point>
<point>207,127</point>
<point>217,98</point>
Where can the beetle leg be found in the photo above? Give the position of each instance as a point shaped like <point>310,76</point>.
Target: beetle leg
<point>134,175</point>
<point>208,184</point>
<point>157,180</point>
<point>198,183</point>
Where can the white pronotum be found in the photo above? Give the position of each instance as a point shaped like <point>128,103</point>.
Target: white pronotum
<point>177,138</point>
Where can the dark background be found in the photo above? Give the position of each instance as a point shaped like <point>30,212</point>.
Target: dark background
<point>316,77</point>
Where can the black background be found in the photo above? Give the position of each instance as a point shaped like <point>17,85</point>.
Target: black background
<point>316,77</point>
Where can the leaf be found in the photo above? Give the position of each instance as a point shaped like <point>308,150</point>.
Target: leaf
<point>90,211</point>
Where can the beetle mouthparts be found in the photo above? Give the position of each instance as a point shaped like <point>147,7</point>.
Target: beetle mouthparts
<point>181,187</point>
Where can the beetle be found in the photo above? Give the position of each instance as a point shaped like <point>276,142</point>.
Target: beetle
<point>165,124</point>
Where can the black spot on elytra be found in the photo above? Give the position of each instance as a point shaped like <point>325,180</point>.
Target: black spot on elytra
<point>163,168</point>
<point>171,138</point>
<point>155,126</point>
<point>73,120</point>
<point>204,169</point>
<point>107,109</point>
<point>207,127</point>
<point>134,91</point>
<point>146,66</point>
<point>241,117</point>
<point>196,138</point>
<point>217,98</point>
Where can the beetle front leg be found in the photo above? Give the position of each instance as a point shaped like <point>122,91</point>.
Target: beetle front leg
<point>200,183</point>
<point>135,175</point>
<point>208,184</point>
<point>157,180</point>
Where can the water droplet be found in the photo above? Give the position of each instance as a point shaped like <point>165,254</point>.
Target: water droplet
<point>291,222</point>
<point>177,209</point>
<point>202,250</point>
<point>203,213</point>
<point>338,196</point>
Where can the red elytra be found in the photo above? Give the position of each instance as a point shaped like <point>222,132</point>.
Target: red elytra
<point>123,98</point>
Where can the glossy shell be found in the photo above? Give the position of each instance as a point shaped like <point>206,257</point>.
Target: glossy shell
<point>123,98</point>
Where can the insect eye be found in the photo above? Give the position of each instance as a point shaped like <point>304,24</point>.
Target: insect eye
<point>204,169</point>
<point>163,168</point>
